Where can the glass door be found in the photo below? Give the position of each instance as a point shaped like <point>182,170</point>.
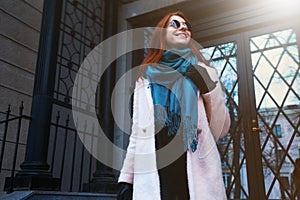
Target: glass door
<point>276,80</point>
<point>224,55</point>
<point>260,74</point>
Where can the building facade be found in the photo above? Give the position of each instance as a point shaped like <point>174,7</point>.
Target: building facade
<point>254,45</point>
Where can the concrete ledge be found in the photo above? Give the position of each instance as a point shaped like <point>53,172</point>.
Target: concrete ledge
<point>37,195</point>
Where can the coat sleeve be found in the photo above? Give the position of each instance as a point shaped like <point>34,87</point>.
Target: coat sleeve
<point>216,111</point>
<point>127,171</point>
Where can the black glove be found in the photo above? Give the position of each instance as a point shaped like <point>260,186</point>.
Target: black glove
<point>200,78</point>
<point>125,193</point>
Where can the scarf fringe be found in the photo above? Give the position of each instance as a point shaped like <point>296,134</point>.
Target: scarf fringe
<point>172,120</point>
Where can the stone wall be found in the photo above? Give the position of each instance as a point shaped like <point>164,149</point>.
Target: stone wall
<point>20,23</point>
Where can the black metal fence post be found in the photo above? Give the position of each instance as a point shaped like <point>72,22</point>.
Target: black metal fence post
<point>4,136</point>
<point>16,146</point>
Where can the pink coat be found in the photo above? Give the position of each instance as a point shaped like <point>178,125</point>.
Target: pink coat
<point>203,166</point>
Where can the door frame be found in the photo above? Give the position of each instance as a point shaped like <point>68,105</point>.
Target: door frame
<point>256,188</point>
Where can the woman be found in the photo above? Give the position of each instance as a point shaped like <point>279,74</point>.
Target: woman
<point>178,113</point>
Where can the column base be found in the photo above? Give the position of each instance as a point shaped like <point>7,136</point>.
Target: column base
<point>104,182</point>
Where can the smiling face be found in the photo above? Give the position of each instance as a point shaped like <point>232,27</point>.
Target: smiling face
<point>177,38</point>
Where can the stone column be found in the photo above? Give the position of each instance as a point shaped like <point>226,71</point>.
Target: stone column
<point>104,179</point>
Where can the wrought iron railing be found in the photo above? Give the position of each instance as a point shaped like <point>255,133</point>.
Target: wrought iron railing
<point>67,157</point>
<point>13,144</point>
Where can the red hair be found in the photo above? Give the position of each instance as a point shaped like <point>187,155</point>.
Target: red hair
<point>157,41</point>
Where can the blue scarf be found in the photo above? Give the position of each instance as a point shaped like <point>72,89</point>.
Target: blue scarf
<point>175,96</point>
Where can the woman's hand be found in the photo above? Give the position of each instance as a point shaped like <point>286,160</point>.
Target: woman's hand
<point>200,78</point>
<point>125,193</point>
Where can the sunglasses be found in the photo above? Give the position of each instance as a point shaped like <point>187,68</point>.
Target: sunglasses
<point>176,24</point>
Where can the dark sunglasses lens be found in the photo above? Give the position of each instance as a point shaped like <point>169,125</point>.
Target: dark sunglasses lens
<point>176,24</point>
<point>187,26</point>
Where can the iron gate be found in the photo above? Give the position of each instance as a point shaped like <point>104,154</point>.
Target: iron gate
<point>81,29</point>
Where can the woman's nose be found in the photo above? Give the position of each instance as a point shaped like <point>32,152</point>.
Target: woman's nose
<point>182,27</point>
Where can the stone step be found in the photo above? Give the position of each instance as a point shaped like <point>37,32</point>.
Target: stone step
<point>38,195</point>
